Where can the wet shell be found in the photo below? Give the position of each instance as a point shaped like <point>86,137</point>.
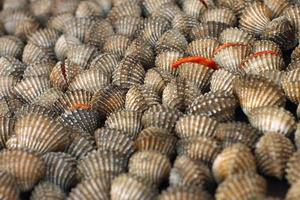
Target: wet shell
<point>157,79</point>
<point>63,73</point>
<point>99,33</point>
<point>197,74</point>
<point>195,125</point>
<point>291,85</point>
<point>78,27</point>
<point>58,22</point>
<point>255,18</point>
<point>277,6</point>
<point>187,193</point>
<point>48,98</point>
<point>272,120</point>
<point>45,38</point>
<point>82,55</point>
<point>108,100</point>
<point>34,109</point>
<point>74,100</point>
<point>281,31</point>
<point>222,80</point>
<point>11,66</point>
<point>167,11</point>
<point>293,192</point>
<point>202,47</point>
<point>126,121</point>
<point>114,140</point>
<point>219,105</point>
<point>127,26</point>
<point>40,133</point>
<point>140,98</point>
<point>11,46</point>
<point>62,45</point>
<point>253,91</point>
<point>231,57</point>
<point>47,191</point>
<point>128,72</point>
<point>25,167</point>
<point>123,10</point>
<point>101,162</point>
<point>156,139</point>
<point>265,45</point>
<point>6,129</point>
<point>152,166</point>
<point>91,189</point>
<point>233,160</point>
<point>33,54</point>
<point>80,145</point>
<point>38,69</point>
<point>184,23</point>
<point>8,189</point>
<point>208,29</point>
<point>171,40</point>
<point>130,187</point>
<point>32,87</point>
<point>292,168</point>
<point>116,44</point>
<point>151,5</point>
<point>90,80</point>
<point>222,15</point>
<point>292,13</point>
<point>194,8</point>
<point>242,186</point>
<point>199,148</point>
<point>236,35</point>
<point>272,153</point>
<point>7,86</point>
<point>106,62</point>
<point>81,119</point>
<point>187,172</point>
<point>164,61</point>
<point>60,169</point>
<point>237,132</point>
<point>161,117</point>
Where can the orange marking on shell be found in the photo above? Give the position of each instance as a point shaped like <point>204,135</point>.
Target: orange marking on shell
<point>196,59</point>
<point>81,106</point>
<point>225,45</point>
<point>264,53</point>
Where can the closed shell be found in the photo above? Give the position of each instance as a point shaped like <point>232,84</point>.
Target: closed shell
<point>277,6</point>
<point>222,80</point>
<point>45,38</point>
<point>165,60</point>
<point>210,29</point>
<point>157,79</point>
<point>8,188</point>
<point>236,35</point>
<point>184,23</point>
<point>265,45</point>
<point>291,85</point>
<point>292,13</point>
<point>272,153</point>
<point>194,8</point>
<point>292,168</point>
<point>152,166</point>
<point>106,62</point>
<point>78,27</point>
<point>202,47</point>
<point>82,55</point>
<point>48,98</point>
<point>127,26</point>
<point>38,69</point>
<point>11,46</point>
<point>6,129</point>
<point>62,45</point>
<point>8,84</point>
<point>57,22</point>
<point>123,10</point>
<point>47,191</point>
<point>11,66</point>
<point>293,192</point>
<point>171,40</point>
<point>187,193</point>
<point>33,53</point>
<point>222,15</point>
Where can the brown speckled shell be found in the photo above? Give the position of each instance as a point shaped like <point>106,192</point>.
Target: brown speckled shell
<point>47,190</point>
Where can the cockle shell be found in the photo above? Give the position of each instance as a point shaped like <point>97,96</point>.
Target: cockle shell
<point>164,61</point>
<point>108,100</point>
<point>199,148</point>
<point>188,193</point>
<point>123,10</point>
<point>41,9</point>
<point>152,166</point>
<point>275,76</point>
<point>236,35</point>
<point>235,159</point>
<point>91,189</point>
<point>33,53</point>
<point>34,109</point>
<point>7,86</point>
<point>45,38</point>
<point>101,162</point>
<point>90,80</point>
<point>202,47</point>
<point>187,172</point>
<point>194,8</point>
<point>255,18</point>
<point>295,54</point>
<point>277,7</point>
<point>237,6</point>
<point>167,11</point>
<point>219,105</point>
<point>126,121</point>
<point>161,117</point>
<point>38,69</point>
<point>58,22</point>
<point>6,129</point>
<point>130,187</point>
<point>10,66</point>
<point>265,45</point>
<point>272,119</point>
<point>78,27</point>
<point>237,132</point>
<point>140,98</point>
<point>222,15</point>
<point>157,140</point>
<point>40,133</point>
<point>60,169</point>
<point>89,8</point>
<point>254,91</point>
<point>184,23</point>
<point>48,98</point>
<point>151,6</point>
<point>292,168</point>
<point>8,188</point>
<point>291,85</point>
<point>222,80</point>
<point>171,40</point>
<point>14,4</point>
<point>292,12</point>
<point>26,168</point>
<point>62,45</point>
<point>47,191</point>
<point>114,140</point>
<point>82,55</point>
<point>293,192</point>
<point>64,6</point>
<point>157,79</point>
<point>272,153</point>
<point>106,62</point>
<point>195,125</point>
<point>127,26</point>
<point>210,29</point>
<point>242,186</point>
<point>11,46</point>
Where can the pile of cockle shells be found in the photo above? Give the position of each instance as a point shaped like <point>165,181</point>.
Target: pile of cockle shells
<point>149,99</point>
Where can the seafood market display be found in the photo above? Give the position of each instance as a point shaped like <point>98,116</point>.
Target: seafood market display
<point>149,99</point>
